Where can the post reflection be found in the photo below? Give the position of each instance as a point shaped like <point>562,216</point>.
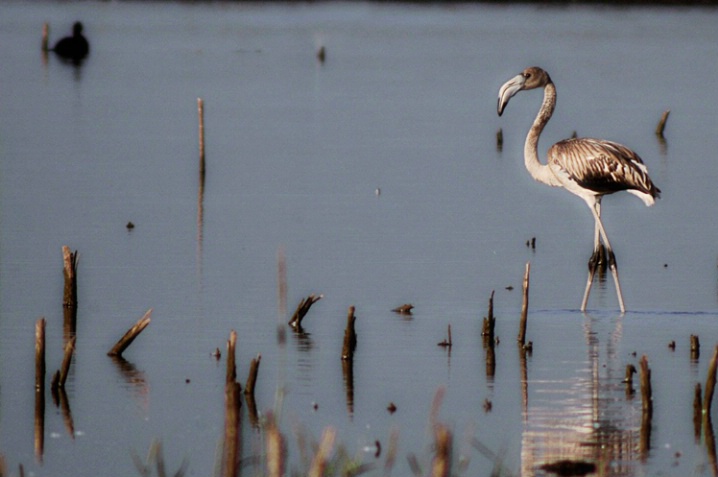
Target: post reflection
<point>589,426</point>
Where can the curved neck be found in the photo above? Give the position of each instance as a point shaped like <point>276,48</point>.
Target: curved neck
<point>539,171</point>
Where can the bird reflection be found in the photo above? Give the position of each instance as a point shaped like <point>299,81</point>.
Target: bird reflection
<point>594,425</point>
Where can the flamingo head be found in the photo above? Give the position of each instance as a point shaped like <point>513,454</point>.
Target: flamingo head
<point>530,78</point>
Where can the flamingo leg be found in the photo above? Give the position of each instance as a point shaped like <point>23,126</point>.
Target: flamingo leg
<point>596,257</point>
<point>609,255</point>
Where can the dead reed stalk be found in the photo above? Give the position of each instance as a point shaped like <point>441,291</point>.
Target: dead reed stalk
<point>70,261</point>
<point>131,334</point>
<point>646,390</point>
<point>487,328</point>
<point>524,306</point>
<point>304,305</point>
<point>695,348</point>
<point>40,354</point>
<point>231,374</point>
<point>231,430</point>
<point>644,443</point>
<point>200,114</point>
<point>66,360</point>
<point>350,336</point>
<point>252,377</point>
<point>662,123</point>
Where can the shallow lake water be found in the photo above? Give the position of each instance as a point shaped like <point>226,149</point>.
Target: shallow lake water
<point>376,175</point>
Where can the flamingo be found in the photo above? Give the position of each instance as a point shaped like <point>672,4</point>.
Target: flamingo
<point>589,168</point>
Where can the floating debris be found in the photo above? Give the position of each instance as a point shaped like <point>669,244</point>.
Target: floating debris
<point>404,309</point>
<point>391,408</point>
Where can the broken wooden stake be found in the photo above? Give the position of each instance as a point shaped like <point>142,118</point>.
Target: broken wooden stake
<point>646,390</point>
<point>524,305</point>
<point>70,261</point>
<point>304,305</point>
<point>66,360</point>
<point>231,374</point>
<point>487,328</point>
<point>662,123</point>
<point>200,114</point>
<point>252,377</point>
<point>130,335</point>
<point>695,348</point>
<point>39,354</point>
<point>350,336</point>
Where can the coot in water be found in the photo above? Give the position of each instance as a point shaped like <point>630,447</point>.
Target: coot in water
<point>73,47</point>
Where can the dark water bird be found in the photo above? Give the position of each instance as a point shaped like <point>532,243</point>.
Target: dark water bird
<point>75,47</point>
<point>589,168</point>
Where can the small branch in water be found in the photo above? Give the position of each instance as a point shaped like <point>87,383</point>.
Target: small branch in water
<point>131,334</point>
<point>200,114</point>
<point>500,140</point>
<point>487,328</point>
<point>231,373</point>
<point>695,348</point>
<point>647,407</point>
<point>66,360</point>
<point>524,305</point>
<point>350,336</point>
<point>252,378</point>
<point>70,261</point>
<point>302,309</point>
<point>662,123</point>
<point>39,354</point>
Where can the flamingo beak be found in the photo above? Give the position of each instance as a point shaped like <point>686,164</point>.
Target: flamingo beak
<point>510,88</point>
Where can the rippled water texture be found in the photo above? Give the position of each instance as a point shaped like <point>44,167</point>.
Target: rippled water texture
<point>376,175</point>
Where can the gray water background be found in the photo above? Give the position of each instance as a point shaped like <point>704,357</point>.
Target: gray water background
<point>296,150</point>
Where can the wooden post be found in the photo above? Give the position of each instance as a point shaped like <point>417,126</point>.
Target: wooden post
<point>40,354</point>
<point>231,374</point>
<point>70,261</point>
<point>231,430</point>
<point>39,423</point>
<point>524,305</point>
<point>350,337</point>
<point>130,335</point>
<point>252,378</point>
<point>695,348</point>
<point>487,328</point>
<point>662,123</point>
<point>647,408</point>
<point>200,114</point>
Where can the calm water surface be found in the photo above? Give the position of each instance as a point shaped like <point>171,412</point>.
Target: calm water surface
<point>405,104</point>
